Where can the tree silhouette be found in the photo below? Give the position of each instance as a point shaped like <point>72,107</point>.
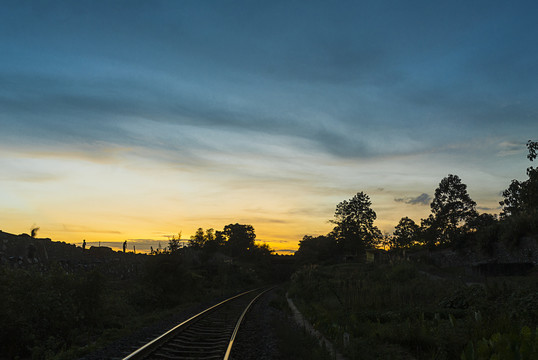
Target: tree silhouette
<point>209,241</point>
<point>354,219</point>
<point>209,235</point>
<point>213,240</point>
<point>174,244</point>
<point>452,208</point>
<point>239,238</point>
<point>316,249</point>
<point>484,231</point>
<point>522,196</point>
<point>514,199</point>
<point>532,146</point>
<point>482,221</point>
<point>197,241</point>
<point>405,233</point>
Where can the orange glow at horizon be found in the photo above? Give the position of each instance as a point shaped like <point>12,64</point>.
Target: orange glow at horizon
<point>110,200</point>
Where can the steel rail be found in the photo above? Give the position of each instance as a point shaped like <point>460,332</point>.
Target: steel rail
<point>154,344</point>
<point>236,330</point>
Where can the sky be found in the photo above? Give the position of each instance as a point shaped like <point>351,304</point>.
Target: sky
<point>137,120</point>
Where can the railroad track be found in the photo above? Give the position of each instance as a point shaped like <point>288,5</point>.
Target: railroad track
<point>208,335</point>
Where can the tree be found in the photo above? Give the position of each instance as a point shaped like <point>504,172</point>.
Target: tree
<point>484,231</point>
<point>174,244</point>
<point>522,196</point>
<point>354,221</point>
<point>209,235</point>
<point>260,253</point>
<point>514,199</point>
<point>428,232</point>
<point>239,238</point>
<point>386,241</point>
<point>214,240</point>
<point>482,221</point>
<point>452,208</point>
<point>405,233</point>
<point>197,241</point>
<point>316,249</point>
<point>532,146</point>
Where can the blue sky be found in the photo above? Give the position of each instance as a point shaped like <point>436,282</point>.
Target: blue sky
<point>137,119</point>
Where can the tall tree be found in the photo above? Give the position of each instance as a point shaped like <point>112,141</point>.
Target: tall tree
<point>197,240</point>
<point>405,233</point>
<point>174,244</point>
<point>522,196</point>
<point>354,219</point>
<point>428,232</point>
<point>239,238</point>
<point>452,208</point>
<point>209,235</point>
<point>316,249</point>
<point>213,240</point>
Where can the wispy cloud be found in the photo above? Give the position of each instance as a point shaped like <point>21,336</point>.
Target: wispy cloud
<point>288,251</point>
<point>422,199</point>
<point>218,106</point>
<point>87,229</point>
<point>507,148</point>
<point>30,177</point>
<point>484,208</point>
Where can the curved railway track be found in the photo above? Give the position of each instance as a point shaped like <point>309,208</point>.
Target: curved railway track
<point>208,335</point>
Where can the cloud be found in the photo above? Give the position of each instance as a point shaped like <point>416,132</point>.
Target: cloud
<point>289,251</point>
<point>252,72</point>
<point>153,242</point>
<point>317,211</point>
<point>484,208</point>
<point>50,109</point>
<point>28,176</point>
<point>147,240</point>
<point>274,241</point>
<point>260,220</point>
<point>507,148</point>
<point>85,229</point>
<point>422,199</point>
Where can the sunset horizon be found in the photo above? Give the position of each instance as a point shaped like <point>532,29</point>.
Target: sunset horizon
<point>135,121</point>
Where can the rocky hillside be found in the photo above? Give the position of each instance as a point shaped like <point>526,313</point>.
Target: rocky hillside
<point>24,251</point>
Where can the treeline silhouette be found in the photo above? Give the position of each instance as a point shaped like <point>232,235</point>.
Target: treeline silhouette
<point>235,240</point>
<point>64,312</point>
<point>454,222</point>
<point>59,312</point>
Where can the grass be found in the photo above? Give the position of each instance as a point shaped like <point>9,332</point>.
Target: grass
<point>57,314</point>
<point>399,312</point>
<point>293,341</point>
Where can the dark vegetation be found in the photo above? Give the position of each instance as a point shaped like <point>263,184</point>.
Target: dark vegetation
<point>454,223</point>
<point>426,291</point>
<point>293,341</point>
<point>431,290</point>
<point>400,312</point>
<point>74,300</point>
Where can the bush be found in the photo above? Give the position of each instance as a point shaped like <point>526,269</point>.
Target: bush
<point>399,313</point>
<point>512,346</point>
